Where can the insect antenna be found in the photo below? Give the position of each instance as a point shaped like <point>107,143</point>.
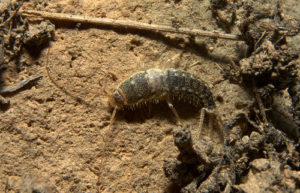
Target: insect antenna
<point>76,98</point>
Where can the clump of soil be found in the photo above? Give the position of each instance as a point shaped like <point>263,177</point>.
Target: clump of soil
<point>270,67</point>
<point>12,31</point>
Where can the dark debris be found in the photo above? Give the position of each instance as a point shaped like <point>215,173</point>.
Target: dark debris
<point>199,169</point>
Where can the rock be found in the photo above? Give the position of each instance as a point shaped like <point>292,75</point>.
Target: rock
<point>260,164</point>
<point>39,34</point>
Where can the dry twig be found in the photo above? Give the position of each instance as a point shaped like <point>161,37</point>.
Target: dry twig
<point>9,19</point>
<point>126,24</point>
<point>260,106</point>
<point>19,85</point>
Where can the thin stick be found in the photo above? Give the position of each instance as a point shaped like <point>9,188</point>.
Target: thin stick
<point>127,24</point>
<point>9,19</point>
<point>261,107</point>
<point>20,85</point>
<point>260,104</point>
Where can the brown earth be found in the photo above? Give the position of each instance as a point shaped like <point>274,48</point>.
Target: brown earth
<point>52,142</point>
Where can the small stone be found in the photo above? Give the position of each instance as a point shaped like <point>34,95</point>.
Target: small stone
<point>4,102</point>
<point>245,140</point>
<point>39,34</point>
<point>260,164</point>
<point>256,141</point>
<point>183,140</point>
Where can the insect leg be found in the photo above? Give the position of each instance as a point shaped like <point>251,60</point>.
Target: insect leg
<point>211,114</point>
<point>113,116</point>
<point>214,119</point>
<point>223,130</point>
<point>174,112</point>
<point>211,118</point>
<point>202,115</point>
<point>149,109</point>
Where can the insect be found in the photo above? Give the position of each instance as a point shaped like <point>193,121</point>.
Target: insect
<point>154,85</point>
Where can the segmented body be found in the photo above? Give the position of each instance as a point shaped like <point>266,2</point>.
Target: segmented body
<point>168,84</point>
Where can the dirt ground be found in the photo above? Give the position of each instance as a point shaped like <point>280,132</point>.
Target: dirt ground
<point>59,140</point>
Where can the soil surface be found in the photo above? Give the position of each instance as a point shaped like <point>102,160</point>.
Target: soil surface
<point>54,131</point>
